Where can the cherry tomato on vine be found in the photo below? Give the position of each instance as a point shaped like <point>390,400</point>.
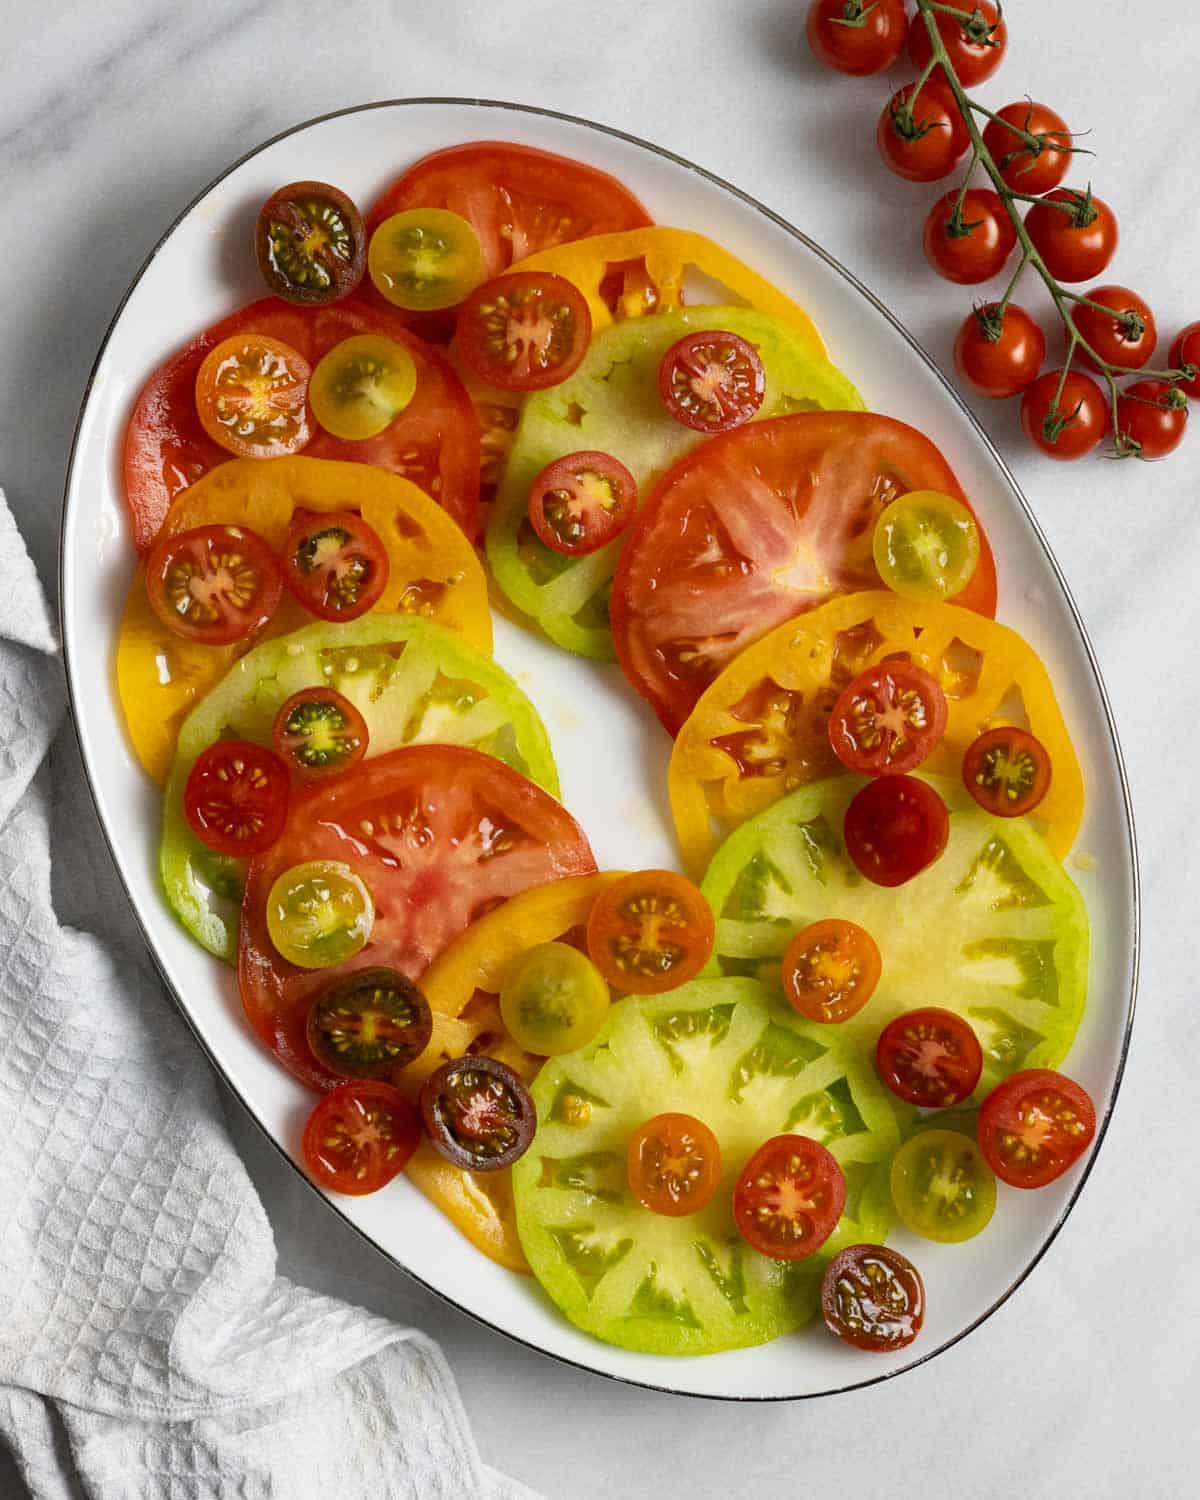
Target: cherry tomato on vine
<point>975,47</point>
<point>1005,364</point>
<point>334,563</point>
<point>789,1198</point>
<point>1077,241</point>
<point>894,828</point>
<point>650,932</point>
<point>251,396</point>
<point>921,142</point>
<point>711,381</point>
<point>857,37</point>
<point>524,332</point>
<point>1064,425</point>
<point>830,970</point>
<point>1034,1126</point>
<point>310,243</point>
<point>360,1136</point>
<point>872,1297</point>
<point>319,732</point>
<point>1007,771</point>
<point>1185,352</point>
<point>1126,336</point>
<point>972,243</point>
<point>213,584</point>
<point>579,502</point>
<point>1151,418</point>
<point>1025,167</point>
<point>888,719</point>
<point>478,1113</point>
<point>673,1165</point>
<point>929,1057</point>
<point>236,797</point>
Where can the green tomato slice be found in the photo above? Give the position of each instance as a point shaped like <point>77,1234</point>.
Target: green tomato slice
<point>612,404</point>
<point>994,930</point>
<point>941,1186</point>
<point>749,1068</point>
<point>414,682</point>
<point>554,1000</point>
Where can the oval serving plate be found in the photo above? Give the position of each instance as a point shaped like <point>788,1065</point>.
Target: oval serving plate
<point>202,268</point>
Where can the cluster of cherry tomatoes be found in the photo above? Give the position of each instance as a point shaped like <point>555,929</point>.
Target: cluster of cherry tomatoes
<point>1069,235</point>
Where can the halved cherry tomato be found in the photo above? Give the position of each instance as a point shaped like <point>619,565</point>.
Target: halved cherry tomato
<point>334,563</point>
<point>926,546</point>
<point>236,797</point>
<point>830,969</point>
<point>1152,417</point>
<point>888,719</point>
<point>1034,1126</point>
<point>359,1137</point>
<point>213,584</point>
<point>942,1187</point>
<point>673,1164</point>
<point>1004,364</point>
<point>478,1113</point>
<point>975,46</point>
<point>1185,355</point>
<point>872,1297</point>
<point>968,243</point>
<point>319,732</point>
<point>424,259</point>
<point>310,243</point>
<point>578,503</point>
<point>650,932</point>
<point>251,396</point>
<point>1124,336</point>
<point>712,381</point>
<point>1077,241</point>
<point>368,1023</point>
<point>921,141</point>
<point>319,913</point>
<point>789,1197</point>
<point>524,332</point>
<point>1007,771</point>
<point>895,827</point>
<point>855,37</point>
<point>554,999</point>
<point>361,386</point>
<point>1024,166</point>
<point>929,1057</point>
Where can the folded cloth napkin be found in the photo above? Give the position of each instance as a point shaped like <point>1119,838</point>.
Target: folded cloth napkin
<point>147,1347</point>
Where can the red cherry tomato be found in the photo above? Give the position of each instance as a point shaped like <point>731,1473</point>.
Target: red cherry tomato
<point>236,797</point>
<point>649,932</point>
<point>712,381</point>
<point>674,1164</point>
<point>789,1197</point>
<point>578,503</point>
<point>1066,424</point>
<point>524,332</point>
<point>930,1058</point>
<point>975,47</point>
<point>894,827</point>
<point>213,584</point>
<point>1185,353</point>
<point>334,563</point>
<point>972,245</point>
<point>1005,364</point>
<point>1024,166</point>
<point>872,1297</point>
<point>921,143</point>
<point>888,719</point>
<point>318,732</point>
<point>1007,771</point>
<point>359,1137</point>
<point>857,36</point>
<point>251,396</point>
<point>1152,417</point>
<point>1076,242</point>
<point>830,970</point>
<point>1124,337</point>
<point>1035,1125</point>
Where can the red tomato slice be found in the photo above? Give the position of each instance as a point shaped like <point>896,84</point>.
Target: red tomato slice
<point>673,1164</point>
<point>214,584</point>
<point>1035,1125</point>
<point>578,503</point>
<point>754,527</point>
<point>359,1137</point>
<point>524,332</point>
<point>236,797</point>
<point>712,381</point>
<point>1007,771</point>
<point>929,1057</point>
<point>434,441</point>
<point>894,827</point>
<point>888,719</point>
<point>439,834</point>
<point>789,1198</point>
<point>334,563</point>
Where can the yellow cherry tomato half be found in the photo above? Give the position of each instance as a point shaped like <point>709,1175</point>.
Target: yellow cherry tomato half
<point>319,913</point>
<point>942,1187</point>
<point>926,546</point>
<point>425,258</point>
<point>554,1000</point>
<point>361,386</point>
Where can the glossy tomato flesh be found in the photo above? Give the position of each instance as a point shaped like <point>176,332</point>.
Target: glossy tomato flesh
<point>830,969</point>
<point>359,1137</point>
<point>525,331</point>
<point>319,732</point>
<point>478,1113</point>
<point>252,396</point>
<point>1034,1126</point>
<point>1007,770</point>
<point>712,381</point>
<point>929,1057</point>
<point>650,932</point>
<point>236,797</point>
<point>673,1164</point>
<point>888,719</point>
<point>310,243</point>
<point>335,564</point>
<point>789,1197</point>
<point>213,584</point>
<point>873,1298</point>
<point>895,827</point>
<point>579,502</point>
<point>369,1023</point>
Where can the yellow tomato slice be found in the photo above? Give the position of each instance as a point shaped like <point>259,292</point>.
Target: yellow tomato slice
<point>760,730</point>
<point>434,572</point>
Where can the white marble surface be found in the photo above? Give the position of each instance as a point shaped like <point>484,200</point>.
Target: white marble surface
<point>111,119</point>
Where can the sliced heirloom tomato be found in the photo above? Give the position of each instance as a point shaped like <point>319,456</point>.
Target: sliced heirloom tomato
<point>310,243</point>
<point>926,546</point>
<point>873,1298</point>
<point>524,331</point>
<point>425,259</point>
<point>760,730</point>
<point>789,1198</point>
<point>359,1137</point>
<point>438,834</point>
<point>213,584</point>
<point>361,386</point>
<point>580,502</point>
<point>319,913</point>
<point>1034,1126</point>
<point>252,396</point>
<point>335,564</point>
<point>318,732</point>
<point>235,798</point>
<point>673,1164</point>
<point>649,932</point>
<point>554,1000</point>
<point>888,719</point>
<point>830,970</point>
<point>929,1057</point>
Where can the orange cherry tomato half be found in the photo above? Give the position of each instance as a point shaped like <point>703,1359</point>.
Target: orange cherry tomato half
<point>872,1297</point>
<point>712,381</point>
<point>213,584</point>
<point>236,797</point>
<point>888,719</point>
<point>1007,771</point>
<point>830,970</point>
<point>789,1198</point>
<point>524,332</point>
<point>334,563</point>
<point>318,732</point>
<point>894,828</point>
<point>929,1057</point>
<point>578,503</point>
<point>674,1164</point>
<point>252,396</point>
<point>650,932</point>
<point>359,1137</point>
<point>1034,1126</point>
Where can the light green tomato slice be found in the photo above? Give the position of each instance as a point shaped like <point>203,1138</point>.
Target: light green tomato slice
<point>728,1053</point>
<point>414,682</point>
<point>994,930</point>
<point>611,403</point>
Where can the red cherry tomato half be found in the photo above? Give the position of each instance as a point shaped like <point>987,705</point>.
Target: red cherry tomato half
<point>712,381</point>
<point>923,141</point>
<point>1185,354</point>
<point>830,969</point>
<point>213,584</point>
<point>968,244</point>
<point>1007,771</point>
<point>674,1164</point>
<point>334,563</point>
<point>359,1137</point>
<point>1125,336</point>
<point>888,719</point>
<point>650,932</point>
<point>894,827</point>
<point>789,1197</point>
<point>858,37</point>
<point>318,732</point>
<point>975,47</point>
<point>1035,1125</point>
<point>1064,424</point>
<point>929,1057</point>
<point>236,797</point>
<point>478,1113</point>
<point>1077,241</point>
<point>872,1297</point>
<point>252,396</point>
<point>1029,166</point>
<point>1152,417</point>
<point>999,356</point>
<point>524,332</point>
<point>578,503</point>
